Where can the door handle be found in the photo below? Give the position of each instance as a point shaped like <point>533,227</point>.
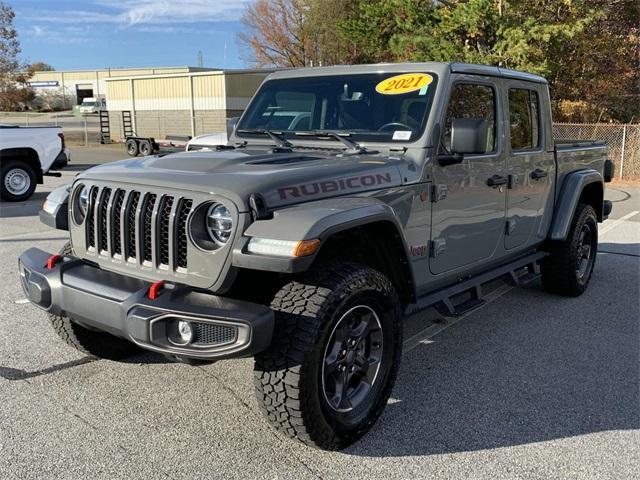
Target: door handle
<point>496,180</point>
<point>538,173</point>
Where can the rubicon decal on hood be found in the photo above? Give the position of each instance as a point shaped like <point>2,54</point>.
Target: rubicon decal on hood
<point>329,186</point>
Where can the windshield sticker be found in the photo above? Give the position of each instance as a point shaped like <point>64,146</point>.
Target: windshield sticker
<point>405,83</point>
<point>401,135</point>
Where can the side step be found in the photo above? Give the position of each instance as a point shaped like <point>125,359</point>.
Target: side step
<point>518,272</point>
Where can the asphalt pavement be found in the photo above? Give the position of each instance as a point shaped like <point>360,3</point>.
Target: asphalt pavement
<point>530,386</point>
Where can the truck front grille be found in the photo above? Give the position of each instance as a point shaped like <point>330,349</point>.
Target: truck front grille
<point>141,228</point>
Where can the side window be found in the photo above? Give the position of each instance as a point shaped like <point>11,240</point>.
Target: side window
<point>472,101</point>
<point>524,119</point>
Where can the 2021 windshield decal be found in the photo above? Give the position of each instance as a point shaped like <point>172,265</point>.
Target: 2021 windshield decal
<point>405,83</point>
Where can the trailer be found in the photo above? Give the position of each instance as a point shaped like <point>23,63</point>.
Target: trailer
<point>144,146</point>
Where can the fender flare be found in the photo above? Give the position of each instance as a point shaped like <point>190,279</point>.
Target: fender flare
<point>320,219</point>
<point>572,188</point>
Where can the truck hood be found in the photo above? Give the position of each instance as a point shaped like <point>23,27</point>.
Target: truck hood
<point>281,178</point>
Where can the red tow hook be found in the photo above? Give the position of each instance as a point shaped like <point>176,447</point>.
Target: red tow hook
<point>53,259</point>
<point>155,289</point>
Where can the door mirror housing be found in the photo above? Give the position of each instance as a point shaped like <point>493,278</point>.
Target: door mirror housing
<point>469,135</point>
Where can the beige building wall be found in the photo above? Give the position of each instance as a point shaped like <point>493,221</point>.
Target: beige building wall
<point>183,104</point>
<point>72,80</point>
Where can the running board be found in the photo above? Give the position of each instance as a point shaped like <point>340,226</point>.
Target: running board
<point>518,273</point>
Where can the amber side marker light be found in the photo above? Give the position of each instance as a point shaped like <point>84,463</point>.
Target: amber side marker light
<point>306,247</point>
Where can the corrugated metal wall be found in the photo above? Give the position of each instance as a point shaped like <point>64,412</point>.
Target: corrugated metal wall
<point>180,104</point>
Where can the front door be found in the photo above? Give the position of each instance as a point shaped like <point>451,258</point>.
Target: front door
<point>529,166</point>
<point>468,214</point>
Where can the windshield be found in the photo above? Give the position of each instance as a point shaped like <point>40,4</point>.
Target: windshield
<point>88,104</point>
<point>368,107</point>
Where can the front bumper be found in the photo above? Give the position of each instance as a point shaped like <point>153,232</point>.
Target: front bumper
<point>121,306</point>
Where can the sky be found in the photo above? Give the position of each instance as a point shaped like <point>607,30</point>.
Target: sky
<point>89,34</point>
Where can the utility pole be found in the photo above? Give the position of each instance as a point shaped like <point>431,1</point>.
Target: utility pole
<point>200,63</point>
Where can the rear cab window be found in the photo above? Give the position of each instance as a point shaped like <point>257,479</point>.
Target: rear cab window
<point>524,119</point>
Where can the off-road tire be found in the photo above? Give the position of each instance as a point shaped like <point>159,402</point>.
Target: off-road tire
<point>559,273</point>
<point>6,167</point>
<point>91,342</point>
<point>287,376</point>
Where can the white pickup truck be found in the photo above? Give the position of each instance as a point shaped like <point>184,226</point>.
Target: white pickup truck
<point>27,154</point>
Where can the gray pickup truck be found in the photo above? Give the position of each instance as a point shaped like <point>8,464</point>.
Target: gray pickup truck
<point>346,198</point>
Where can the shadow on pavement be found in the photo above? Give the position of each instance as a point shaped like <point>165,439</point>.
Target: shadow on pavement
<point>28,208</point>
<point>534,368</point>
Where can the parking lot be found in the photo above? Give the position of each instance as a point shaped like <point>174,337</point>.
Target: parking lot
<point>529,386</point>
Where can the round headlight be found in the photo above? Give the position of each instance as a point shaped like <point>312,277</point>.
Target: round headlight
<point>219,223</point>
<point>83,200</point>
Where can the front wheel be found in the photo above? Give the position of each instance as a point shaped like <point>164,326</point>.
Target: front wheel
<point>91,342</point>
<point>336,350</point>
<point>568,268</point>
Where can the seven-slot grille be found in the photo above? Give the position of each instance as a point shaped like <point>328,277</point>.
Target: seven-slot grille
<point>141,227</point>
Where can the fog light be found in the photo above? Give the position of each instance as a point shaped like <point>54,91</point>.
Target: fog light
<point>185,332</point>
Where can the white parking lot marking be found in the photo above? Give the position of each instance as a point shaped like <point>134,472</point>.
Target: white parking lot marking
<point>615,223</point>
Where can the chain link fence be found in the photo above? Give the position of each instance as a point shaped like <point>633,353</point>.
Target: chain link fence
<point>623,142</point>
<point>78,129</point>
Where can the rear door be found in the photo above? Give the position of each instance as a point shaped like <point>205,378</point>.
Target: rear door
<point>529,164</point>
<point>468,215</point>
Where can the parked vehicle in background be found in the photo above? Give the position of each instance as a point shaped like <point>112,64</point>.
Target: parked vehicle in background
<point>385,189</point>
<point>27,154</point>
<point>91,105</point>
<point>207,142</point>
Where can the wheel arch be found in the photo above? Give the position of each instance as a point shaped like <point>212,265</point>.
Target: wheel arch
<point>377,243</point>
<point>364,230</point>
<point>583,186</point>
<point>27,155</point>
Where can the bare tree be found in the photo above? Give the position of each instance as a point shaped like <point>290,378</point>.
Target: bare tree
<point>296,33</point>
<point>275,33</point>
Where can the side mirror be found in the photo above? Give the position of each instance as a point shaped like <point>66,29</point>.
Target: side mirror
<point>231,125</point>
<point>469,135</point>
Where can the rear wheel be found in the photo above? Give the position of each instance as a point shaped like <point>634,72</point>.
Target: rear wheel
<point>336,350</point>
<point>91,342</point>
<point>18,181</point>
<point>146,148</point>
<point>568,268</point>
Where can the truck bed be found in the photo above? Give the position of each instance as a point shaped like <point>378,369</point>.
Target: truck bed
<point>572,155</point>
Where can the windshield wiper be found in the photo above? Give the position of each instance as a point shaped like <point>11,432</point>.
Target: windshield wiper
<point>276,137</point>
<point>353,148</point>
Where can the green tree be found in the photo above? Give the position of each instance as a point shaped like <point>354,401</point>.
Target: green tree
<point>14,92</point>
<point>587,49</point>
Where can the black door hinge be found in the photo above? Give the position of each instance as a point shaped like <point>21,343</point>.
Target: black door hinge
<point>437,247</point>
<point>438,192</point>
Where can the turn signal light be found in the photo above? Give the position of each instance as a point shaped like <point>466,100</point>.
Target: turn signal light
<point>306,247</point>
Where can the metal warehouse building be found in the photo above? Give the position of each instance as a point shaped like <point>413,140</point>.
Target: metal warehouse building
<point>74,85</point>
<point>178,104</point>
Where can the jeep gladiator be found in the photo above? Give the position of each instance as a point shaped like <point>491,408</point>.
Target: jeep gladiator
<point>346,198</point>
